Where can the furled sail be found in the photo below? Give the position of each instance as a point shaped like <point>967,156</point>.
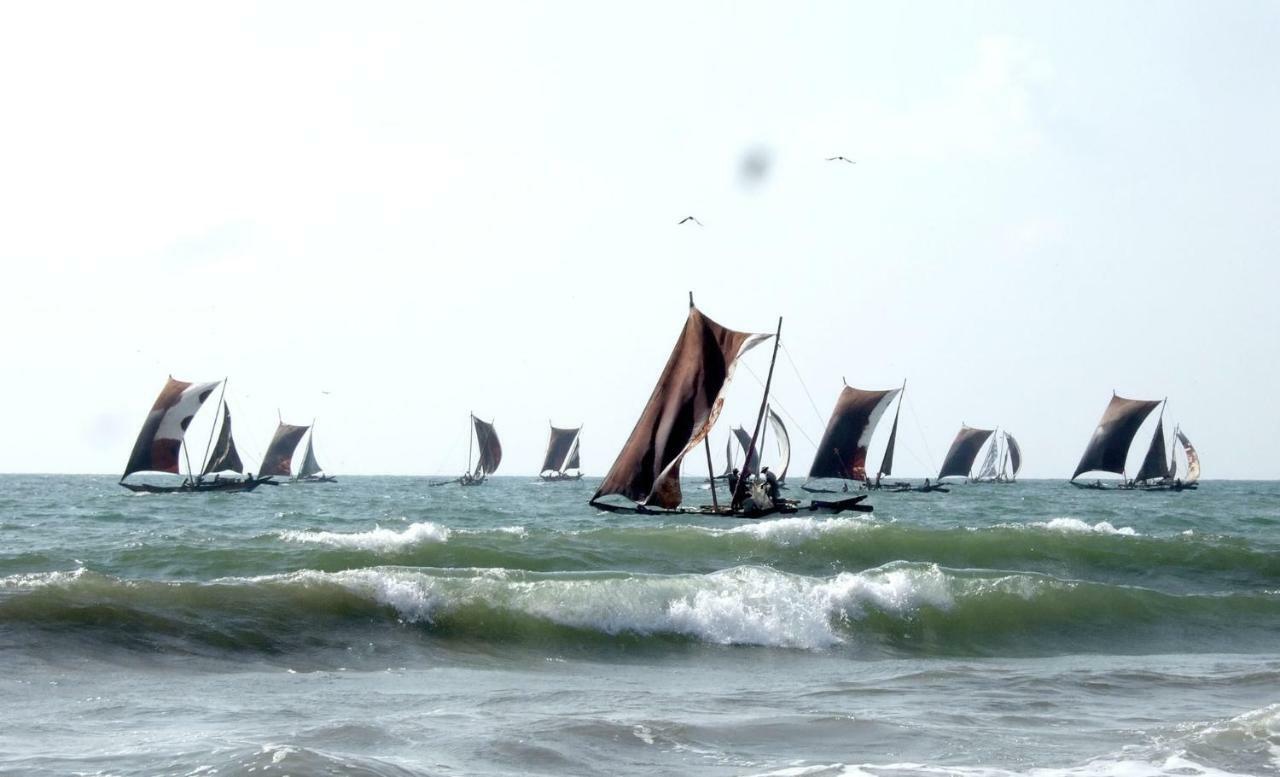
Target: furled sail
<point>1015,453</point>
<point>276,461</point>
<point>783,441</point>
<point>1109,446</point>
<point>681,411</point>
<point>562,450</point>
<point>842,452</point>
<point>310,466</point>
<point>489,446</point>
<point>988,470</point>
<point>964,449</point>
<point>160,439</point>
<point>224,457</point>
<point>752,465</point>
<point>1193,458</point>
<point>1155,466</point>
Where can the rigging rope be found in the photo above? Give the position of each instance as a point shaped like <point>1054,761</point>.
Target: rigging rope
<point>817,413</point>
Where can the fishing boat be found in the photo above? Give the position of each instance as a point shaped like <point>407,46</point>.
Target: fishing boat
<point>963,452</point>
<point>1108,450</point>
<point>561,461</point>
<point>843,450</point>
<point>483,436</point>
<point>1002,451</point>
<point>679,415</point>
<point>161,444</point>
<point>278,460</point>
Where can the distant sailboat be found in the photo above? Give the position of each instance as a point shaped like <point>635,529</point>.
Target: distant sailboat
<point>752,464</point>
<point>842,451</point>
<point>1003,449</point>
<point>161,444</point>
<point>679,415</point>
<point>783,441</point>
<point>278,461</point>
<point>1108,450</point>
<point>964,451</point>
<point>484,438</point>
<point>562,455</point>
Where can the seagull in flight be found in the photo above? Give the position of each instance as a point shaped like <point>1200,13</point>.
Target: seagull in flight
<point>688,218</point>
<point>841,159</point>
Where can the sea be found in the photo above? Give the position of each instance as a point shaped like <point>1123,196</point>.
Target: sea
<point>380,626</point>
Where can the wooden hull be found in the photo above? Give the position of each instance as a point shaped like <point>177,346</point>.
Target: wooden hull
<point>783,507</point>
<point>316,479</point>
<point>1096,486</point>
<point>559,478</point>
<point>229,486</point>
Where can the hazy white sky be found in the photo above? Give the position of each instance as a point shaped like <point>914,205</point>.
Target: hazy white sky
<point>431,208</point>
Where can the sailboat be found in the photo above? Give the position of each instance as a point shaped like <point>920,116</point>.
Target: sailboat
<point>751,464</point>
<point>963,452</point>
<point>278,460</point>
<point>843,450</point>
<point>482,435</point>
<point>161,443</point>
<point>1005,450</point>
<point>1108,450</point>
<point>679,415</point>
<point>562,455</point>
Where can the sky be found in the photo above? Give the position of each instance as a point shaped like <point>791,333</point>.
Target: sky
<point>386,216</point>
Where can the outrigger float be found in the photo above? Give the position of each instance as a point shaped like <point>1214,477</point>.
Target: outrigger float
<point>679,416</point>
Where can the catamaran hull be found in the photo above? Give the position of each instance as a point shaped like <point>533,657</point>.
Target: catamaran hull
<point>559,478</point>
<point>852,504</point>
<point>193,488</point>
<point>316,479</point>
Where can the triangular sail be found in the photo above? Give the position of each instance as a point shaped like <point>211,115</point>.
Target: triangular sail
<point>1015,453</point>
<point>842,452</point>
<point>489,445</point>
<point>1155,466</point>
<point>310,466</point>
<point>988,470</point>
<point>964,449</point>
<point>730,456</point>
<point>279,456</point>
<point>160,439</point>
<point>681,411</point>
<point>224,457</point>
<point>783,441</point>
<point>573,462</point>
<point>886,464</point>
<point>752,465</point>
<point>1193,458</point>
<point>1109,446</point>
<point>561,446</point>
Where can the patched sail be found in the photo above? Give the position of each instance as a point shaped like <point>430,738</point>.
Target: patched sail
<point>489,446</point>
<point>681,411</point>
<point>224,457</point>
<point>783,441</point>
<point>1109,446</point>
<point>964,449</point>
<point>842,451</point>
<point>1193,458</point>
<point>988,470</point>
<point>752,465</point>
<point>160,439</point>
<point>279,456</point>
<point>1155,466</point>
<point>310,466</point>
<point>1015,453</point>
<point>562,450</point>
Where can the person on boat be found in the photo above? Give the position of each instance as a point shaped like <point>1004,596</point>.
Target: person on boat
<point>733,480</point>
<point>771,483</point>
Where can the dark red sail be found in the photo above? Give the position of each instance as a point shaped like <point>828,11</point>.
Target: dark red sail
<point>160,440</point>
<point>1155,465</point>
<point>842,452</point>
<point>279,456</point>
<point>224,457</point>
<point>683,407</point>
<point>489,446</point>
<point>964,449</point>
<point>1109,446</point>
<point>562,453</point>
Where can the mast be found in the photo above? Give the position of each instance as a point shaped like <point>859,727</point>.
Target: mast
<point>222,393</point>
<point>711,473</point>
<point>471,433</point>
<point>764,401</point>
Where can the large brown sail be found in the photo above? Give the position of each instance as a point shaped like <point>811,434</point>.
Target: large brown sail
<point>160,439</point>
<point>489,446</point>
<point>224,457</point>
<point>1155,466</point>
<point>680,412</point>
<point>964,449</point>
<point>279,456</point>
<point>562,454</point>
<point>842,452</point>
<point>1015,453</point>
<point>1109,446</point>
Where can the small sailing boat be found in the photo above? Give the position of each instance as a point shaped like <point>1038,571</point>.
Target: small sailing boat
<point>1004,449</point>
<point>679,415</point>
<point>161,443</point>
<point>963,452</point>
<point>278,460</point>
<point>482,435</point>
<point>1108,450</point>
<point>842,451</point>
<point>562,455</point>
<point>751,464</point>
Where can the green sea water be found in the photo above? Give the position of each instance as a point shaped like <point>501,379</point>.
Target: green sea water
<point>378,626</point>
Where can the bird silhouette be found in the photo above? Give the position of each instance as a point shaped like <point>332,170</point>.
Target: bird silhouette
<point>841,159</point>
<point>688,218</point>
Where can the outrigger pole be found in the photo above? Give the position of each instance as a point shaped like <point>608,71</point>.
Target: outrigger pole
<point>764,401</point>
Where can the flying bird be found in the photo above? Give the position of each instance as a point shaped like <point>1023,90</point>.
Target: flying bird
<point>841,159</point>
<point>688,218</point>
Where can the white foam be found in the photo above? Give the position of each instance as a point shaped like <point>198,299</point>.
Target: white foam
<point>1077,526</point>
<point>1174,765</point>
<point>33,580</point>
<point>784,531</point>
<point>377,539</point>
